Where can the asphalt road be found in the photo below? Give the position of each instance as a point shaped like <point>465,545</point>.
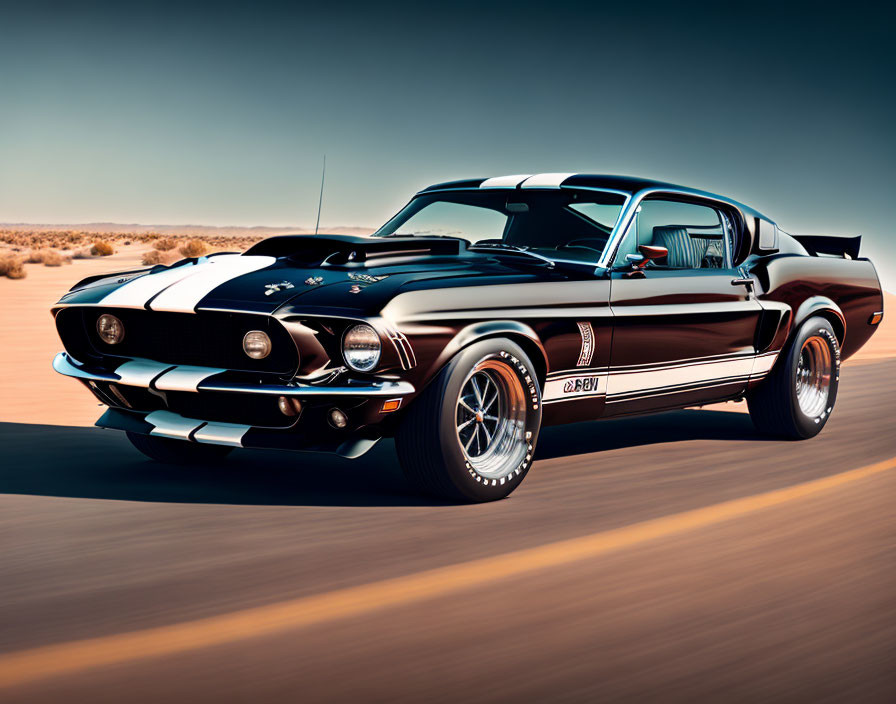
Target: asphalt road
<point>294,577</point>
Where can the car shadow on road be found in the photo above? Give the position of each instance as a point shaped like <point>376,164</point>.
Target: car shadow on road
<point>633,431</point>
<point>77,462</point>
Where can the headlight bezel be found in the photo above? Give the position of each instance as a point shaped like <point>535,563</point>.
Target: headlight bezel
<point>115,321</point>
<point>265,337</point>
<point>377,350</point>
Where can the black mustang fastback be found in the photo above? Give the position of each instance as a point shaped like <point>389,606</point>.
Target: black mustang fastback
<point>480,312</point>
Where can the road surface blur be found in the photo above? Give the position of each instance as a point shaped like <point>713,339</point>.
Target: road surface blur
<point>791,602</point>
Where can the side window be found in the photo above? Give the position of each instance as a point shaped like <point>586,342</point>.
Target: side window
<point>697,236</point>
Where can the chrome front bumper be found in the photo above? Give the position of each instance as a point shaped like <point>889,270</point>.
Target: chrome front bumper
<point>147,374</point>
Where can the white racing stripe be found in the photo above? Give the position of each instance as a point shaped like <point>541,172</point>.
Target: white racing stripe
<point>135,293</point>
<point>185,378</point>
<point>171,425</point>
<point>230,434</point>
<point>545,180</point>
<point>184,295</point>
<point>139,372</point>
<point>504,181</point>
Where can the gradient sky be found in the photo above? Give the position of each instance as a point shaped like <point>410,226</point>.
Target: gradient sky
<point>220,114</point>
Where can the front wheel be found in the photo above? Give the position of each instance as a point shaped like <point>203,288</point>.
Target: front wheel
<point>471,434</point>
<point>171,451</point>
<point>797,398</point>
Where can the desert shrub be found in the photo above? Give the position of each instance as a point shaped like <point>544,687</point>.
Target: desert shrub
<point>101,248</point>
<point>12,266</point>
<point>152,257</point>
<point>51,257</point>
<point>193,248</point>
<point>163,245</point>
<point>83,253</point>
<point>47,257</point>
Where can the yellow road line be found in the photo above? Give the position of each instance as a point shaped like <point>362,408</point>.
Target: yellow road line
<point>29,665</point>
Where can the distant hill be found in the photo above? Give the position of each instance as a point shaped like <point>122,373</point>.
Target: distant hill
<point>194,230</point>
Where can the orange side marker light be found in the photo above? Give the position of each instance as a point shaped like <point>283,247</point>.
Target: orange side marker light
<point>393,404</point>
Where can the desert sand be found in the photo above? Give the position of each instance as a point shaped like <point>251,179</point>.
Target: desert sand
<point>32,392</point>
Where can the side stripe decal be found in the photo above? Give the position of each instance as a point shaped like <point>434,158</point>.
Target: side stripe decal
<point>626,382</point>
<point>660,380</point>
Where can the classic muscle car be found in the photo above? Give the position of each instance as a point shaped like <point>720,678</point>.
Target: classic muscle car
<point>482,311</point>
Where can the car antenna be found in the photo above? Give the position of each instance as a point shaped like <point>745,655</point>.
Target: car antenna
<point>320,201</point>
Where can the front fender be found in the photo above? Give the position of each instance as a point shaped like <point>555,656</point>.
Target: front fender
<point>517,331</point>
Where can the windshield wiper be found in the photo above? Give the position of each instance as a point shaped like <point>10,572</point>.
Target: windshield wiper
<point>511,249</point>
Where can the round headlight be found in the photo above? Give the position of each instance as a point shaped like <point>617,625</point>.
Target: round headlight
<point>257,344</point>
<point>361,347</point>
<point>110,329</point>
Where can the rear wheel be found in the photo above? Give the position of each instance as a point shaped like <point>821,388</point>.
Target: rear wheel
<point>171,451</point>
<point>471,434</point>
<point>798,397</point>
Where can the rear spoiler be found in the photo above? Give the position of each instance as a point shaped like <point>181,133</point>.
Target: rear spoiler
<point>846,247</point>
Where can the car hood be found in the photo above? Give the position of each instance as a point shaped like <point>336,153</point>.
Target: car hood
<point>340,273</point>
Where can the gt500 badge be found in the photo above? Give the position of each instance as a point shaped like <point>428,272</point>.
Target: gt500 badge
<point>581,384</point>
<point>570,386</point>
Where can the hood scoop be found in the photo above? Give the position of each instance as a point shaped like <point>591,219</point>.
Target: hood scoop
<point>339,250</point>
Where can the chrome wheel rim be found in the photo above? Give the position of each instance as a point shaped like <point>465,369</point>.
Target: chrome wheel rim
<point>491,419</point>
<point>813,376</point>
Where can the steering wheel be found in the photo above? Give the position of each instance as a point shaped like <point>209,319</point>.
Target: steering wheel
<point>599,245</point>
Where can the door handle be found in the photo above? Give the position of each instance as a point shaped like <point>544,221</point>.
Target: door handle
<point>746,281</point>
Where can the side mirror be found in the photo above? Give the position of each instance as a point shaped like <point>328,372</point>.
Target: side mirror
<point>648,253</point>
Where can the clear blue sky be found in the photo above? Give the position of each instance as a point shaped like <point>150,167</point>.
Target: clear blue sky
<point>220,114</point>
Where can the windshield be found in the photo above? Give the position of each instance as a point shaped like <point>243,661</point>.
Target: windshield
<point>562,224</point>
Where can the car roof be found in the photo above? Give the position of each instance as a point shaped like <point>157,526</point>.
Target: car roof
<point>627,184</point>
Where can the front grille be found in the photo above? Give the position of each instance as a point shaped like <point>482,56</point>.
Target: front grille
<point>206,339</point>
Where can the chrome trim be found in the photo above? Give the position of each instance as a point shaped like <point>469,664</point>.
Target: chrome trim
<point>172,425</point>
<point>813,376</point>
<point>403,348</point>
<point>184,378</point>
<point>384,388</point>
<point>490,421</point>
<point>631,208</point>
<point>67,366</point>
